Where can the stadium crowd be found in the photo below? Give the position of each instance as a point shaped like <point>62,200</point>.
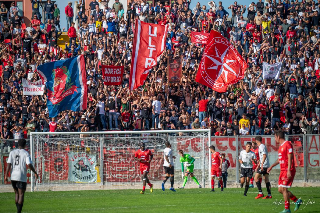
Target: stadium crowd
<point>270,31</point>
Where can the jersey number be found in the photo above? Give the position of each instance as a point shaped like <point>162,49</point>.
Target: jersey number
<point>17,160</point>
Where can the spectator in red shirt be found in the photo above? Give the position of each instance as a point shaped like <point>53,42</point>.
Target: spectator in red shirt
<point>251,26</point>
<point>53,125</point>
<point>69,14</point>
<point>35,22</point>
<point>262,107</point>
<point>72,33</point>
<point>256,35</point>
<point>291,33</point>
<point>126,119</point>
<point>202,108</point>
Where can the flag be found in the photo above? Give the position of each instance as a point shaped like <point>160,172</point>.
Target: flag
<point>174,69</point>
<point>199,37</point>
<point>271,71</point>
<point>148,45</point>
<point>66,84</point>
<point>221,64</point>
<point>32,88</point>
<point>112,75</point>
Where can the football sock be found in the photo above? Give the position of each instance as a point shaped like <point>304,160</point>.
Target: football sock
<point>293,198</point>
<point>221,183</point>
<point>268,185</point>
<point>212,183</point>
<point>172,181</point>
<point>149,184</point>
<point>241,184</point>
<point>143,188</point>
<point>19,208</point>
<point>195,180</point>
<point>259,187</point>
<point>287,205</point>
<point>246,189</point>
<point>166,178</point>
<point>251,181</point>
<point>185,181</point>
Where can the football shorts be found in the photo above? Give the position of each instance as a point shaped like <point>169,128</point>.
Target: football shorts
<point>168,170</point>
<point>18,185</point>
<point>216,172</point>
<point>190,169</point>
<point>263,171</point>
<point>246,172</point>
<point>144,168</point>
<point>284,181</point>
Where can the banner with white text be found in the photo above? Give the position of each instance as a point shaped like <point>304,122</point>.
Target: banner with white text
<point>82,167</point>
<point>32,88</point>
<point>148,45</point>
<point>112,75</point>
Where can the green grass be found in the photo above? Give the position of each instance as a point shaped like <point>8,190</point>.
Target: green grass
<point>184,200</point>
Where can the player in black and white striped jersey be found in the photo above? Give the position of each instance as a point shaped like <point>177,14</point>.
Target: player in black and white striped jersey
<point>17,164</point>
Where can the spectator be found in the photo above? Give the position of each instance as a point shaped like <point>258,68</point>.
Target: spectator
<point>52,125</point>
<point>202,108</point>
<point>3,12</point>
<point>196,124</point>
<point>156,107</point>
<point>56,13</point>
<point>13,10</point>
<point>93,5</point>
<point>49,10</point>
<point>117,6</point>
<point>244,130</point>
<point>69,14</point>
<point>72,34</point>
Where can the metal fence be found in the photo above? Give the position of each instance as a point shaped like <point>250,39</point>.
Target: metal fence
<point>107,159</point>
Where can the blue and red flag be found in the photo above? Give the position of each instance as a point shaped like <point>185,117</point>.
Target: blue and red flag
<point>66,84</point>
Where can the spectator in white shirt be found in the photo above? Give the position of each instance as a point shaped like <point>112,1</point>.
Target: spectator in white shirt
<point>244,130</point>
<point>156,108</point>
<point>259,90</point>
<point>269,92</point>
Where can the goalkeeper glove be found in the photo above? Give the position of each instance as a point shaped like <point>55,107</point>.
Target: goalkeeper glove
<point>188,164</point>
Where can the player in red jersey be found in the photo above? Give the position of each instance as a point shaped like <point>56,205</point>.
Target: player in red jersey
<point>287,171</point>
<point>144,156</point>
<point>216,167</point>
<point>255,149</point>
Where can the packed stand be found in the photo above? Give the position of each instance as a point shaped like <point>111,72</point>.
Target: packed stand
<point>261,32</point>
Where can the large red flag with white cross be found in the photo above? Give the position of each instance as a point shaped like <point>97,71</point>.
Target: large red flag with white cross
<point>221,64</point>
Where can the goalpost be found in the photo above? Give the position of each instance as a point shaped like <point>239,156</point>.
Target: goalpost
<point>105,160</point>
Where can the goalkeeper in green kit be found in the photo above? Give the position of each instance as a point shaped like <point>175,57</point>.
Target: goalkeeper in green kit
<point>188,161</point>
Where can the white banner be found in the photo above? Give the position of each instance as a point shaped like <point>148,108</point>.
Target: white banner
<point>271,71</point>
<point>82,167</point>
<point>32,88</point>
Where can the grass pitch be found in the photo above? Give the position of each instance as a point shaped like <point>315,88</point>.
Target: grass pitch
<point>184,200</point>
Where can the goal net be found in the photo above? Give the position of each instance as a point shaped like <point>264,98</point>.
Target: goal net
<point>105,160</point>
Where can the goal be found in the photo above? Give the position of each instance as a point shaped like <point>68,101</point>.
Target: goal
<point>105,160</point>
